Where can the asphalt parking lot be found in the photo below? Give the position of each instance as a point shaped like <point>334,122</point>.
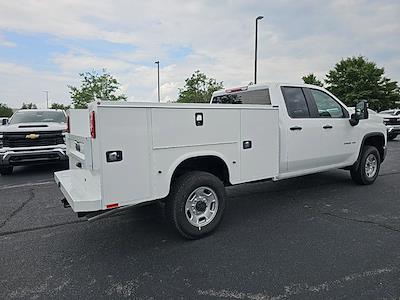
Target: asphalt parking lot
<point>315,237</point>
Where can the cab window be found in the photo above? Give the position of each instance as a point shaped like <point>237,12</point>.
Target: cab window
<point>244,97</point>
<point>326,105</point>
<point>296,103</point>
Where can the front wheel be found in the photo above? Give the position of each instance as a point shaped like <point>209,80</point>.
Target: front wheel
<point>196,204</point>
<point>368,168</point>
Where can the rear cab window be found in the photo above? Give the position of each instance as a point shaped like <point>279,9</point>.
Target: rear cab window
<point>260,96</point>
<point>296,103</point>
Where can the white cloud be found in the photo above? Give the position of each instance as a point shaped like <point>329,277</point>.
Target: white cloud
<point>23,84</point>
<point>295,38</point>
<point>75,63</point>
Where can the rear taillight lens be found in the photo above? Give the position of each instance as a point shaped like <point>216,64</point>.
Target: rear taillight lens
<point>68,125</point>
<point>92,125</point>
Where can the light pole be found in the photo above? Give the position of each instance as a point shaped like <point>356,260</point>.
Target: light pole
<point>158,78</point>
<point>47,98</point>
<point>255,49</point>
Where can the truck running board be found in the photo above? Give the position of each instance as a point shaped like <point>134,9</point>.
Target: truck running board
<point>94,216</point>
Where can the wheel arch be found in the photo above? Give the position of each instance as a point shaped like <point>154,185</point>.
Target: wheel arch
<point>376,139</point>
<point>211,162</point>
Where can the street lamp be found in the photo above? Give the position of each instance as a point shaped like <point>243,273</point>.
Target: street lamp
<point>158,78</point>
<point>47,98</point>
<point>255,50</point>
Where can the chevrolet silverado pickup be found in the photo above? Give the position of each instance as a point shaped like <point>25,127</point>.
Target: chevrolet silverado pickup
<point>391,118</point>
<point>32,136</point>
<point>124,154</point>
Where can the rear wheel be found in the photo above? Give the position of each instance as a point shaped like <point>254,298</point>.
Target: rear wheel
<point>368,168</point>
<point>6,170</point>
<point>196,204</point>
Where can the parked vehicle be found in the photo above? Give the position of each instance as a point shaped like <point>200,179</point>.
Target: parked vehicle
<point>185,154</point>
<point>32,137</point>
<point>391,118</point>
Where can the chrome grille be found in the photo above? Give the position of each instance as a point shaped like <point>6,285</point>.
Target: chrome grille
<point>45,138</point>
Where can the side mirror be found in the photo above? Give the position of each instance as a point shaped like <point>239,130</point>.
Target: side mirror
<point>5,122</point>
<point>361,113</point>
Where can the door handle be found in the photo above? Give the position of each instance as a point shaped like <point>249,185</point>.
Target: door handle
<point>327,127</point>
<point>296,128</point>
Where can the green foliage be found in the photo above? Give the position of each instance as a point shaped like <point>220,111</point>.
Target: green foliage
<point>5,111</point>
<point>312,79</point>
<point>60,106</point>
<point>28,106</point>
<point>198,88</point>
<point>95,86</point>
<point>357,78</point>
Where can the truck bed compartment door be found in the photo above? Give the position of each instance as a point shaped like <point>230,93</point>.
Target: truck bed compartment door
<point>125,154</point>
<point>259,156</point>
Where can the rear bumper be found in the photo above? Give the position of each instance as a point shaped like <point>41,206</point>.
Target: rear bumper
<point>81,188</point>
<point>34,155</point>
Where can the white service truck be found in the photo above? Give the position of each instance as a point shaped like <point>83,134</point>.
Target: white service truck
<point>124,154</point>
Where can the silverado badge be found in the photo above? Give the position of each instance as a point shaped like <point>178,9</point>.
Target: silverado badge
<point>32,136</point>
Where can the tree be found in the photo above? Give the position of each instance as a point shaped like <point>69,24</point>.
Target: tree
<point>5,111</point>
<point>95,86</point>
<point>356,78</point>
<point>312,79</point>
<point>198,88</point>
<point>60,106</point>
<point>28,106</point>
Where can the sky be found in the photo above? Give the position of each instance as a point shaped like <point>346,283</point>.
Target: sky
<point>45,44</point>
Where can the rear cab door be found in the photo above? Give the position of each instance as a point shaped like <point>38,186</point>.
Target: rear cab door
<point>300,130</point>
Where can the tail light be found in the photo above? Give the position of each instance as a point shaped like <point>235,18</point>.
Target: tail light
<point>68,125</point>
<point>92,125</point>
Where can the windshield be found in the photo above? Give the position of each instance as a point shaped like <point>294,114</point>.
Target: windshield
<point>29,116</point>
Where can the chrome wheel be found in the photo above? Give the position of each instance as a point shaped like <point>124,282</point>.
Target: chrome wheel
<point>371,165</point>
<point>201,206</point>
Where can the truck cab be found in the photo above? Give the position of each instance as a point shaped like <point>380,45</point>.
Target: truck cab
<point>316,128</point>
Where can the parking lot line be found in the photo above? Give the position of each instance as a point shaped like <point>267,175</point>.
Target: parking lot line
<point>299,288</point>
<point>6,187</point>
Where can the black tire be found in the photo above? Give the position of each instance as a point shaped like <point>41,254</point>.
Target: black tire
<point>391,137</point>
<point>6,170</point>
<point>181,189</point>
<point>359,174</point>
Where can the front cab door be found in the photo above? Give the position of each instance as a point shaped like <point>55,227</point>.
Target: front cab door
<point>337,134</point>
